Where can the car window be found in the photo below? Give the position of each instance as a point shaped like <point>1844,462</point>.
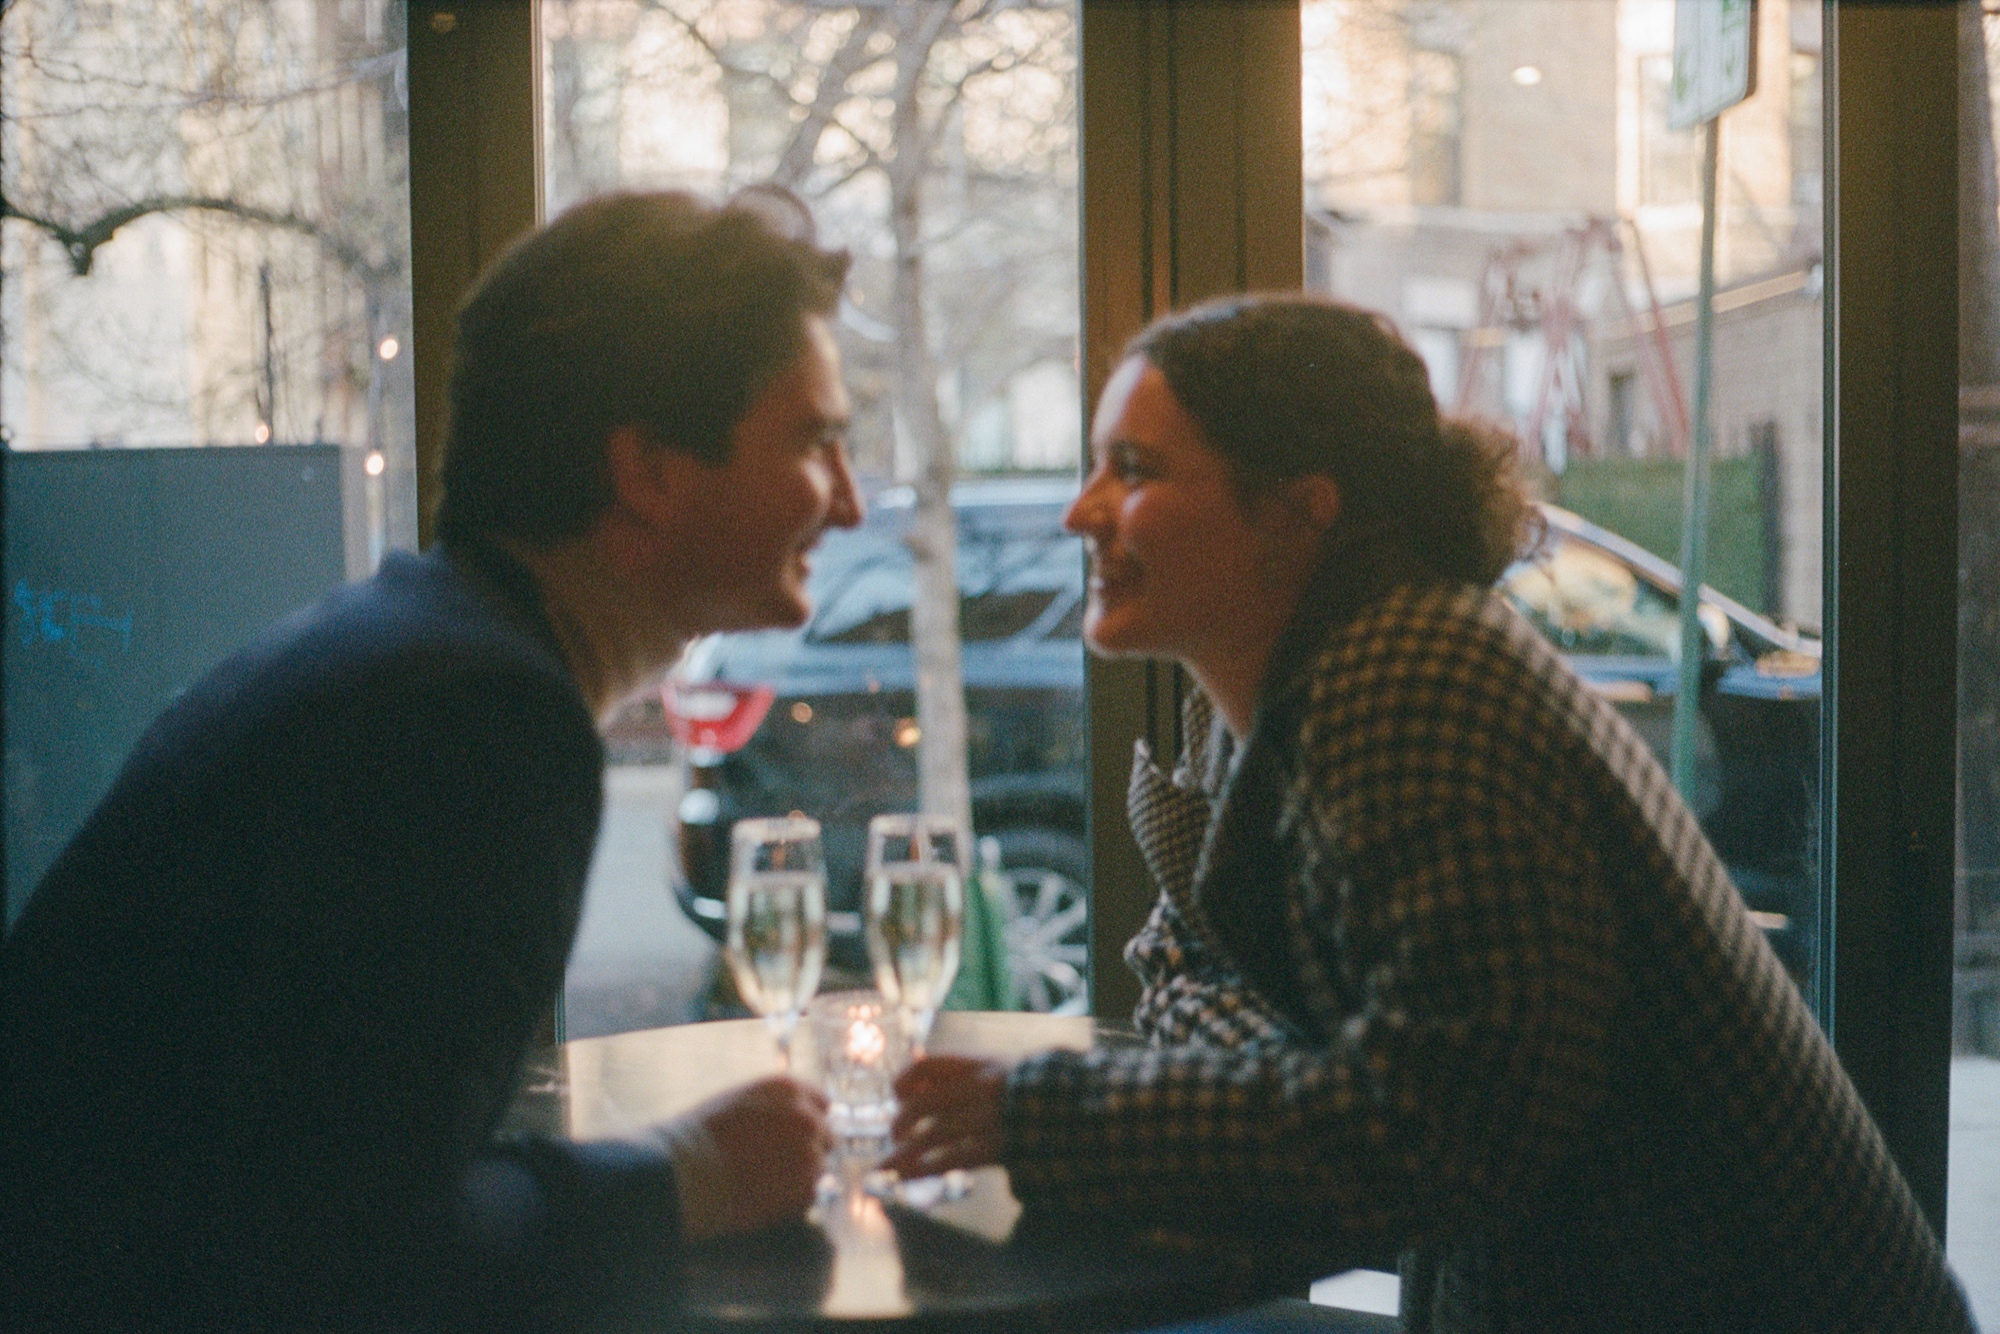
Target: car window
<point>1006,581</point>
<point>1002,615</point>
<point>1588,602</point>
<point>982,616</point>
<point>871,606</point>
<point>1071,624</point>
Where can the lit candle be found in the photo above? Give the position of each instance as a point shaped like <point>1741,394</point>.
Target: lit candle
<point>865,1042</point>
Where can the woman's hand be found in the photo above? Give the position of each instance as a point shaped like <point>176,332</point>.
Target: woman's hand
<point>950,1115</point>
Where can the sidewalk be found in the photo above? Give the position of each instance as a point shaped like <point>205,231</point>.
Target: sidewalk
<point>1972,1212</point>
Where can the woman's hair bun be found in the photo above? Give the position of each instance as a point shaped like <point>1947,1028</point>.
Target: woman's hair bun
<point>1288,384</point>
<point>1485,521</point>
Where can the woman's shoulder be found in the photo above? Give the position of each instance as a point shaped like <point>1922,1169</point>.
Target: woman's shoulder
<point>1447,679</point>
<point>1447,644</point>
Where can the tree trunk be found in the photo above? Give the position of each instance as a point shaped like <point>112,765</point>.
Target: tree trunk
<point>944,785</point>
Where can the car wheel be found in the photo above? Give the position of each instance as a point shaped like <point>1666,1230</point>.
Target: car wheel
<point>1048,942</point>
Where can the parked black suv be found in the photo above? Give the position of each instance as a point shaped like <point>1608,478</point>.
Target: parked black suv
<point>822,719</point>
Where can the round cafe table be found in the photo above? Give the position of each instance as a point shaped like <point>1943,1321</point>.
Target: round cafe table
<point>860,1263</point>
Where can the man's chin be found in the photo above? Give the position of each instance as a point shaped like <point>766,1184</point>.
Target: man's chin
<point>785,612</point>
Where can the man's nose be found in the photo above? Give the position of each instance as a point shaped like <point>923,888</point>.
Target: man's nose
<point>844,509</point>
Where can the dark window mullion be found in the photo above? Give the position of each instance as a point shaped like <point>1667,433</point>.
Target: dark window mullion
<point>1891,557</point>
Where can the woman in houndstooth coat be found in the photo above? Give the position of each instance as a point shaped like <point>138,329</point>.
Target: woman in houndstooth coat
<point>1441,966</point>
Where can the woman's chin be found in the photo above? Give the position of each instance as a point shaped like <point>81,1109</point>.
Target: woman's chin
<point>1110,637</point>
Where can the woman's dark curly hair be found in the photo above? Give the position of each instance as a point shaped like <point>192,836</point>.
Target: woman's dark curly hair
<point>1285,385</point>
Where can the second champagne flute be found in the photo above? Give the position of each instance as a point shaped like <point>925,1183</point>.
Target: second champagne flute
<point>915,911</point>
<point>777,919</point>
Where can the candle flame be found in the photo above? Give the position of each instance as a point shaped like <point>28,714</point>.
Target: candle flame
<point>865,1042</point>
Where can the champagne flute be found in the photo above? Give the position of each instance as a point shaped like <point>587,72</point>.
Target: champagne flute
<point>916,909</point>
<point>777,919</point>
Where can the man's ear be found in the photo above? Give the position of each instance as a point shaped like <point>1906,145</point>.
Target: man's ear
<point>646,479</point>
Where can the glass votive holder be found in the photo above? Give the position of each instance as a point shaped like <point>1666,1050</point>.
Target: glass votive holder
<point>860,1044</point>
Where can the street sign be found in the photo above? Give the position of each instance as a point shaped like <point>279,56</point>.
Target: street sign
<point>1715,59</point>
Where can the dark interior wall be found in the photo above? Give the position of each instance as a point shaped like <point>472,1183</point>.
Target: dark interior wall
<point>130,573</point>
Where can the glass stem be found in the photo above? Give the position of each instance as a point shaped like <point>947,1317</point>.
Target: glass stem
<point>782,1026</point>
<point>920,1032</point>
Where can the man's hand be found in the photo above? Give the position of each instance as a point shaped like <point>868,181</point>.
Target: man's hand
<point>748,1158</point>
<point>950,1115</point>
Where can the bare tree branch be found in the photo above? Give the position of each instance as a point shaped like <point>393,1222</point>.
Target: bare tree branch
<point>765,77</point>
<point>81,243</point>
<point>700,39</point>
<point>852,57</point>
<point>869,162</point>
<point>823,113</point>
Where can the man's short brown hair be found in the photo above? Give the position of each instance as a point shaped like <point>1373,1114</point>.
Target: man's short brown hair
<point>658,311</point>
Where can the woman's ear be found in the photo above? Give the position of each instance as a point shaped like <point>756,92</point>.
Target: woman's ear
<point>1315,499</point>
<point>1297,515</point>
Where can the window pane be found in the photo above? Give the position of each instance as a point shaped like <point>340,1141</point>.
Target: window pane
<point>1972,1212</point>
<point>1499,177</point>
<point>204,373</point>
<point>943,157</point>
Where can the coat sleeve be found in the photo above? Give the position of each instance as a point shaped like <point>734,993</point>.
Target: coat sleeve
<point>1471,939</point>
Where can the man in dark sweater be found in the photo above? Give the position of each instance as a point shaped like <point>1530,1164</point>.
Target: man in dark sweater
<point>264,1015</point>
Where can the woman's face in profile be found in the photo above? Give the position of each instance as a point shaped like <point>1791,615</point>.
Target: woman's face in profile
<point>1179,567</point>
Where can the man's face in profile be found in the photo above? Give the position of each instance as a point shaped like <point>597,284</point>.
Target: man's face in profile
<point>752,520</point>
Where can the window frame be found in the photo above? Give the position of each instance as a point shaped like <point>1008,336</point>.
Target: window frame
<point>1889,757</point>
<point>1191,167</point>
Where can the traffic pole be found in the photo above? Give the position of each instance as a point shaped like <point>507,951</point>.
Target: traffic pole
<point>1694,511</point>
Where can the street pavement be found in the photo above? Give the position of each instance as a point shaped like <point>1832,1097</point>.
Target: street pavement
<point>639,963</point>
<point>1972,1211</point>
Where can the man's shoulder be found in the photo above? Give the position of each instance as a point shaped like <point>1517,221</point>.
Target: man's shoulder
<point>425,606</point>
<point>420,637</point>
<point>418,623</point>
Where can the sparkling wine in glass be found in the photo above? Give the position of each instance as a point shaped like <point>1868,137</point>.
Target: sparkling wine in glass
<point>916,910</point>
<point>777,919</point>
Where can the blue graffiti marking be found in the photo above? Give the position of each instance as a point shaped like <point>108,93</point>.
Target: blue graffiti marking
<point>92,617</point>
<point>51,616</point>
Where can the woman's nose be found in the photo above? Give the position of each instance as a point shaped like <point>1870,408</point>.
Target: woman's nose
<point>1084,514</point>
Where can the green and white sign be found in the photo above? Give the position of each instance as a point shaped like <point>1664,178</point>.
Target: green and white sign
<point>1715,59</point>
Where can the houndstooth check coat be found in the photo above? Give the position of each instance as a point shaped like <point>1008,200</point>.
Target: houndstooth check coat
<point>1442,967</point>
